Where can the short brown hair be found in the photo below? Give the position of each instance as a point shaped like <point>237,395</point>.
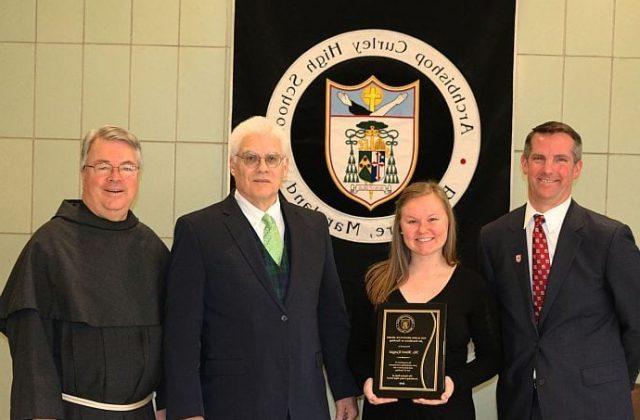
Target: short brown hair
<point>552,127</point>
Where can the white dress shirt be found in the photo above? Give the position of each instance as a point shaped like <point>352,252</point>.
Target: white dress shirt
<point>254,215</point>
<point>553,219</point>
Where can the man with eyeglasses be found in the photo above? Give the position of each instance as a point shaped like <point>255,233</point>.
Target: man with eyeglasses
<point>254,304</point>
<point>82,307</point>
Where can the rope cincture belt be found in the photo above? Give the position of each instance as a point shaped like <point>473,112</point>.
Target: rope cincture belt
<point>104,406</point>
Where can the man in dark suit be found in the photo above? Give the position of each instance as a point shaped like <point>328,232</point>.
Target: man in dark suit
<point>254,303</point>
<point>568,283</point>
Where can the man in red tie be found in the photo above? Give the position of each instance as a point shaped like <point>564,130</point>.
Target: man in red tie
<point>568,283</point>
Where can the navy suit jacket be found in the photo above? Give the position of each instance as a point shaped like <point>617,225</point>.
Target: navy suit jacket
<point>585,348</point>
<point>233,350</point>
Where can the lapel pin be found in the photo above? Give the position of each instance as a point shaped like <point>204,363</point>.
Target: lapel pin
<point>518,258</point>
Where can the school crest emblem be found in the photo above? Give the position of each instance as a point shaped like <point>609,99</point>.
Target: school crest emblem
<point>373,91</point>
<point>371,141</point>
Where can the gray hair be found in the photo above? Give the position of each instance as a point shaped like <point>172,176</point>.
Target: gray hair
<point>109,133</point>
<point>552,127</point>
<point>257,125</point>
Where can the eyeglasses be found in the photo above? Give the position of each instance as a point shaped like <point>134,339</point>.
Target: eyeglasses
<point>126,170</point>
<point>252,160</point>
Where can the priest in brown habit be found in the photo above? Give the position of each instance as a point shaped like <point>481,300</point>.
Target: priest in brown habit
<point>82,306</point>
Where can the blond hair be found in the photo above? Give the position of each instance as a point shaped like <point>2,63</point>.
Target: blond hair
<point>384,277</point>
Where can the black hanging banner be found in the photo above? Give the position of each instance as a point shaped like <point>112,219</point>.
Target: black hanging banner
<point>375,95</point>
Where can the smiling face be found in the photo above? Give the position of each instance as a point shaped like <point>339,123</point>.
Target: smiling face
<point>258,185</point>
<point>550,170</point>
<point>424,224</point>
<point>109,196</point>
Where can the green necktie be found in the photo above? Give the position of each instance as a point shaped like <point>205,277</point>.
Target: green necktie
<point>271,238</point>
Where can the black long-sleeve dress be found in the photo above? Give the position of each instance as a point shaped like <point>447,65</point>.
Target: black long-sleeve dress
<point>471,315</point>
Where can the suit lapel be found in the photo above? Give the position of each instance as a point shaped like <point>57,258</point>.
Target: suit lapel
<point>568,244</point>
<point>244,237</point>
<point>297,256</point>
<point>520,255</point>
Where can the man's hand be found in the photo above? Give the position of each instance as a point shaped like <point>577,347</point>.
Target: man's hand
<point>371,397</point>
<point>161,414</point>
<point>346,409</point>
<point>448,391</point>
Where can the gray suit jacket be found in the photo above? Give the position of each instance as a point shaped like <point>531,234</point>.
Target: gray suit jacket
<point>586,347</point>
<point>233,350</point>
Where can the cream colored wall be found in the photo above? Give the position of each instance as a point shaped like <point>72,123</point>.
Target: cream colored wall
<point>579,61</point>
<point>160,68</point>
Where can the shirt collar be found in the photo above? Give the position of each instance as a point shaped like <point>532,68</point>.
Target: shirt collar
<point>552,217</point>
<point>254,214</point>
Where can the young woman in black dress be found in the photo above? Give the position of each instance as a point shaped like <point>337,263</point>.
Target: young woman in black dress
<point>423,267</point>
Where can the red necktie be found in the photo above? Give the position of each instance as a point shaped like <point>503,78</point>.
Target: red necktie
<point>541,264</point>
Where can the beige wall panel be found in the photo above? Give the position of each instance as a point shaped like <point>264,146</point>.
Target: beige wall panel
<point>538,93</point>
<point>225,178</point>
<point>198,176</point>
<point>589,27</point>
<point>18,20</point>
<point>16,89</point>
<point>15,184</point>
<point>56,177</point>
<point>518,181</point>
<point>623,199</point>
<point>201,100</point>
<point>484,399</point>
<point>108,21</point>
<point>154,206</point>
<point>590,190</point>
<point>155,22</point>
<point>153,92</point>
<point>58,90</point>
<point>106,86</point>
<point>627,29</point>
<point>203,22</point>
<point>540,26</point>
<point>60,20</point>
<point>168,242</point>
<point>625,106</point>
<point>587,109</point>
